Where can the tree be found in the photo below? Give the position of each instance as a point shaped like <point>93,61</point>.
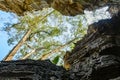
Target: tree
<point>16,48</point>
<point>40,43</point>
<point>31,29</point>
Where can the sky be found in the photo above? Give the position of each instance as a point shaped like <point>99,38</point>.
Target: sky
<point>95,16</point>
<point>5,18</point>
<point>10,18</point>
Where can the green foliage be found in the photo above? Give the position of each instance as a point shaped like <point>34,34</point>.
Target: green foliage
<point>55,31</point>
<point>51,34</point>
<point>10,41</point>
<point>56,59</point>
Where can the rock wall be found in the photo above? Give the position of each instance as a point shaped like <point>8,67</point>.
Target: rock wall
<point>97,55</point>
<point>30,70</point>
<point>65,7</point>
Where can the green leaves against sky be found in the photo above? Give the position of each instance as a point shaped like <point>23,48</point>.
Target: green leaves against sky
<point>50,34</point>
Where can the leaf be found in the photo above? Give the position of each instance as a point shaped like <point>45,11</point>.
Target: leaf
<point>10,41</point>
<point>55,31</point>
<point>47,44</point>
<point>72,45</point>
<point>56,59</point>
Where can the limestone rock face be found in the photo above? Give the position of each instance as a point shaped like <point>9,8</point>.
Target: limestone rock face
<point>30,70</point>
<point>65,7</point>
<point>21,6</point>
<point>97,55</point>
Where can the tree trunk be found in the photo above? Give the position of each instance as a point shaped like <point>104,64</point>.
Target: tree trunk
<point>17,47</point>
<point>66,7</point>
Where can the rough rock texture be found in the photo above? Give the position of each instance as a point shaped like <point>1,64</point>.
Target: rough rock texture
<point>97,55</point>
<point>30,70</point>
<point>21,6</point>
<point>66,7</point>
